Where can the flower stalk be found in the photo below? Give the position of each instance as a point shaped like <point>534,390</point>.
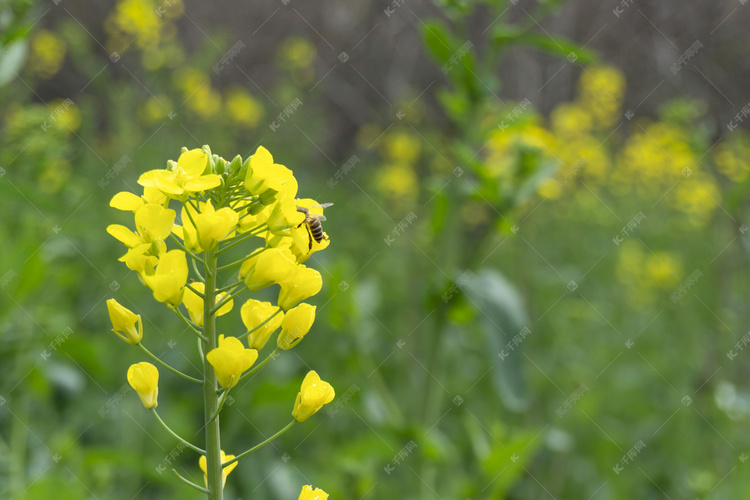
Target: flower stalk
<point>214,481</point>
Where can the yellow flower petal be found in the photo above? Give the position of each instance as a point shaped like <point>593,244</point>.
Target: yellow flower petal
<point>125,235</point>
<point>126,201</point>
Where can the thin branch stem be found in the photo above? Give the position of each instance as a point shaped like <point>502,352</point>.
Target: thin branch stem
<point>259,366</point>
<point>190,483</point>
<point>221,405</point>
<point>183,441</point>
<point>239,239</point>
<point>190,324</point>
<point>257,446</point>
<point>197,272</point>
<point>168,367</point>
<point>260,325</point>
<point>184,248</point>
<point>229,296</point>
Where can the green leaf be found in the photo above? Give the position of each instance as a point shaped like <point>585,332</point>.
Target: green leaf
<point>556,45</point>
<point>502,316</point>
<point>438,41</point>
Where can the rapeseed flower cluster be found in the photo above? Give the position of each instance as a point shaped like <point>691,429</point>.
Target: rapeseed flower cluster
<point>583,146</point>
<point>189,215</point>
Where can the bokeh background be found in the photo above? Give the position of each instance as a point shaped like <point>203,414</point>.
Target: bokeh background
<point>538,278</point>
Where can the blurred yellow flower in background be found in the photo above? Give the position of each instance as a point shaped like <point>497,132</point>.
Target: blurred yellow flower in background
<point>297,52</point>
<point>732,157</point>
<point>47,54</point>
<point>401,146</point>
<point>601,90</point>
<point>155,109</point>
<point>242,108</point>
<point>399,183</point>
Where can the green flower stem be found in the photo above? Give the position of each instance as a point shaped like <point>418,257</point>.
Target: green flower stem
<point>168,367</point>
<point>264,322</point>
<point>257,446</point>
<point>229,296</point>
<point>197,272</point>
<point>190,324</point>
<point>200,351</point>
<point>258,367</point>
<point>184,249</point>
<point>240,239</point>
<point>186,443</point>
<point>199,294</point>
<point>231,285</point>
<point>221,404</point>
<point>210,398</point>
<point>190,483</point>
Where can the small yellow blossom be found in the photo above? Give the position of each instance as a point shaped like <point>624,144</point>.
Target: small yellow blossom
<point>169,278</point>
<point>284,216</point>
<point>144,378</point>
<point>212,226</point>
<point>202,462</point>
<point>230,360</point>
<point>264,174</point>
<point>312,396</point>
<point>303,284</point>
<point>295,325</point>
<point>272,265</point>
<point>308,493</point>
<point>186,176</point>
<point>124,322</point>
<point>254,314</point>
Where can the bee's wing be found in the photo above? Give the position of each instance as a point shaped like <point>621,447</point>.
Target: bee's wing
<point>320,217</point>
<point>321,205</point>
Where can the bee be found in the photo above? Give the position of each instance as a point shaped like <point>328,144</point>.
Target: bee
<point>313,223</point>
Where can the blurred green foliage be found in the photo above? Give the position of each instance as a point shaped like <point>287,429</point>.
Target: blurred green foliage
<point>502,289</point>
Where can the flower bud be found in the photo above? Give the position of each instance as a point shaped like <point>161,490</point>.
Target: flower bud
<point>309,494</point>
<point>124,321</point>
<point>295,325</point>
<point>230,360</point>
<point>312,396</point>
<point>144,378</point>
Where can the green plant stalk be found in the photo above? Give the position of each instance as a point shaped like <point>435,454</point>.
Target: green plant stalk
<point>210,397</point>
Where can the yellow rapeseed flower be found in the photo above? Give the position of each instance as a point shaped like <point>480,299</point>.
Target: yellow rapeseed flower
<point>124,322</point>
<point>272,265</point>
<point>169,277</point>
<point>230,360</point>
<point>308,493</point>
<point>303,284</point>
<point>254,313</point>
<point>185,176</point>
<point>144,378</point>
<point>312,396</point>
<point>295,325</point>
